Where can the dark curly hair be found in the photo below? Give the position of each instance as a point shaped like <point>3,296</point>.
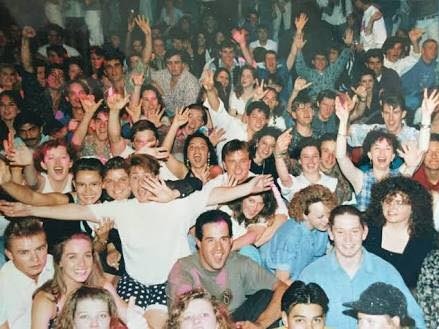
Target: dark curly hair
<point>213,160</point>
<point>421,224</point>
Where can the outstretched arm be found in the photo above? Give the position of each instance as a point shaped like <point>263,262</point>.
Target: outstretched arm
<point>143,24</point>
<point>116,103</point>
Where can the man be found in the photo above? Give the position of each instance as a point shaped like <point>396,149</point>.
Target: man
<point>393,48</point>
<point>29,129</point>
<point>55,36</point>
<point>304,306</point>
<point>251,293</point>
<point>263,40</point>
<point>179,86</point>
<point>325,121</point>
<point>428,173</point>
<point>385,78</point>
<point>393,113</point>
<point>422,75</point>
<point>373,30</point>
<point>349,269</point>
<point>309,159</point>
<point>113,70</point>
<point>381,306</point>
<point>29,266</point>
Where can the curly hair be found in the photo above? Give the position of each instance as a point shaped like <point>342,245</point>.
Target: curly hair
<point>299,204</point>
<point>67,316</point>
<point>421,223</point>
<point>175,315</point>
<point>212,158</point>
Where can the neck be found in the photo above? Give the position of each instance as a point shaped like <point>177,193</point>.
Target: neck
<point>257,159</point>
<point>305,131</point>
<point>9,124</point>
<point>380,173</point>
<point>58,186</point>
<point>432,175</point>
<point>397,227</point>
<point>397,131</point>
<point>350,264</point>
<point>199,170</point>
<point>119,86</point>
<point>54,93</point>
<point>313,177</point>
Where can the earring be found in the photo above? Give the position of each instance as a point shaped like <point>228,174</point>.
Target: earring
<point>208,160</point>
<point>188,164</point>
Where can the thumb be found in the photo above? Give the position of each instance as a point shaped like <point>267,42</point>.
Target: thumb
<point>132,302</point>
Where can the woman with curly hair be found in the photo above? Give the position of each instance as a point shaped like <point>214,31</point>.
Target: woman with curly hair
<point>197,309</point>
<point>401,229</point>
<point>303,238</point>
<point>76,265</point>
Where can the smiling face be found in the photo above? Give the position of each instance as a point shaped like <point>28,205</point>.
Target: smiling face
<point>310,160</point>
<point>137,174</point>
<point>215,246</point>
<point>91,313</point>
<point>199,314</point>
<point>88,185</point>
<point>348,235</point>
<point>8,78</point>
<point>327,159</point>
<point>150,101</point>
<point>265,147</point>
<point>100,126</point>
<point>303,114</point>
<point>8,108</point>
<point>57,163</point>
<point>28,253</point>
<point>252,206</point>
<point>223,78</point>
<point>237,164</point>
<point>320,62</point>
<point>381,154</point>
<point>397,208</point>
<point>305,316</point>
<point>197,152</point>
<point>393,117</point>
<point>117,184</point>
<point>113,70</point>
<point>431,160</point>
<point>256,120</point>
<point>318,215</point>
<point>326,108</point>
<point>247,78</point>
<point>77,261</point>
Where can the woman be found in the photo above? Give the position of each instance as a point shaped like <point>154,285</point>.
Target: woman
<point>223,85</point>
<point>401,229</point>
<point>367,109</point>
<point>153,107</point>
<point>10,102</point>
<point>199,159</point>
<point>303,238</point>
<point>91,307</point>
<point>201,53</point>
<point>261,151</point>
<point>243,92</point>
<point>197,309</point>
<point>75,265</point>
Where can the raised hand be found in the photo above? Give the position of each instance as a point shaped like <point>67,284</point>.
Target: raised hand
<point>89,105</point>
<point>259,92</point>
<point>261,183</point>
<point>283,142</point>
<point>411,154</point>
<point>160,191</point>
<point>217,135</point>
<point>143,24</point>
<point>29,32</point>
<point>181,117</point>
<point>8,144</point>
<point>341,110</point>
<point>360,91</point>
<point>160,153</point>
<point>300,21</point>
<point>204,175</point>
<point>116,102</point>
<point>135,319</point>
<point>299,43</point>
<point>348,37</point>
<point>155,116</point>
<point>103,229</point>
<point>134,111</point>
<point>137,78</point>
<point>207,80</point>
<point>301,84</point>
<point>239,36</point>
<point>415,34</point>
<point>430,104</point>
<point>20,156</point>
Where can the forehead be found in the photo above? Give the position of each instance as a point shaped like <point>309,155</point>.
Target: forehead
<point>138,170</point>
<point>309,150</point>
<point>330,144</point>
<point>87,176</point>
<point>116,173</point>
<point>215,229</point>
<point>346,221</point>
<point>197,141</point>
<point>57,149</point>
<point>144,134</point>
<point>112,62</point>
<point>27,126</point>
<point>267,139</point>
<point>374,60</point>
<point>77,244</point>
<point>382,142</point>
<point>237,155</point>
<point>306,310</point>
<point>6,99</point>
<point>175,58</point>
<point>76,87</point>
<point>26,242</point>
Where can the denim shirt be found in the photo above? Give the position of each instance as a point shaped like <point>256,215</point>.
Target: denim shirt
<point>293,247</point>
<point>341,288</point>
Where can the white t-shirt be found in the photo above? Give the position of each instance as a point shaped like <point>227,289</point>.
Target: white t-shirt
<point>300,182</point>
<point>270,45</point>
<point>16,290</point>
<point>153,235</point>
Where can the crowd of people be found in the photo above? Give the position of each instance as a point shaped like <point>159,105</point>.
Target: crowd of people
<point>296,141</point>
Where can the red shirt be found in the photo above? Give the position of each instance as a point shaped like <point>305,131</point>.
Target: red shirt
<point>421,177</point>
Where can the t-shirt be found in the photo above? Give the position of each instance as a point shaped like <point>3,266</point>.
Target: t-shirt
<point>239,277</point>
<point>153,235</point>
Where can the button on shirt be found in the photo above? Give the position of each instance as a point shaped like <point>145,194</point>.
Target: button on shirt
<point>341,288</point>
<point>16,290</point>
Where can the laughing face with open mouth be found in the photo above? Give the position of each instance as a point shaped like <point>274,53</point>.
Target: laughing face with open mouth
<point>57,163</point>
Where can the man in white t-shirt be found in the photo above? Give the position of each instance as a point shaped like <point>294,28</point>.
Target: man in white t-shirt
<point>263,41</point>
<point>29,266</point>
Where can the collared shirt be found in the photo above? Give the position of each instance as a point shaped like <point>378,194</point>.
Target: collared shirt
<point>379,33</point>
<point>421,177</point>
<point>293,247</point>
<point>358,132</point>
<point>320,127</point>
<point>403,65</point>
<point>16,291</point>
<point>184,93</point>
<point>341,288</point>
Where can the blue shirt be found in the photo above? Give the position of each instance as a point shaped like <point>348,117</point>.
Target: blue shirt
<point>293,247</point>
<point>340,288</point>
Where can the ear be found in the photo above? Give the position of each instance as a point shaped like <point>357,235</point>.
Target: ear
<point>74,184</point>
<point>9,255</point>
<point>293,114</point>
<point>365,232</point>
<point>43,165</point>
<point>331,235</point>
<point>198,242</point>
<point>285,319</point>
<point>403,114</point>
<point>369,155</point>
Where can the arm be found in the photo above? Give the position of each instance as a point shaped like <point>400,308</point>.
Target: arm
<point>299,85</point>
<point>268,233</point>
<point>143,24</point>
<point>239,37</point>
<point>115,103</point>
<point>26,57</point>
<point>273,311</point>
<point>300,23</point>
<point>180,119</point>
<point>352,173</point>
<point>43,310</point>
<point>361,105</point>
<point>131,25</point>
<point>134,108</point>
<point>281,156</point>
<point>211,92</point>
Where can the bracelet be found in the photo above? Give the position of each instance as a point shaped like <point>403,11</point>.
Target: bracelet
<point>427,126</point>
<point>340,134</point>
<point>279,155</point>
<point>362,100</point>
